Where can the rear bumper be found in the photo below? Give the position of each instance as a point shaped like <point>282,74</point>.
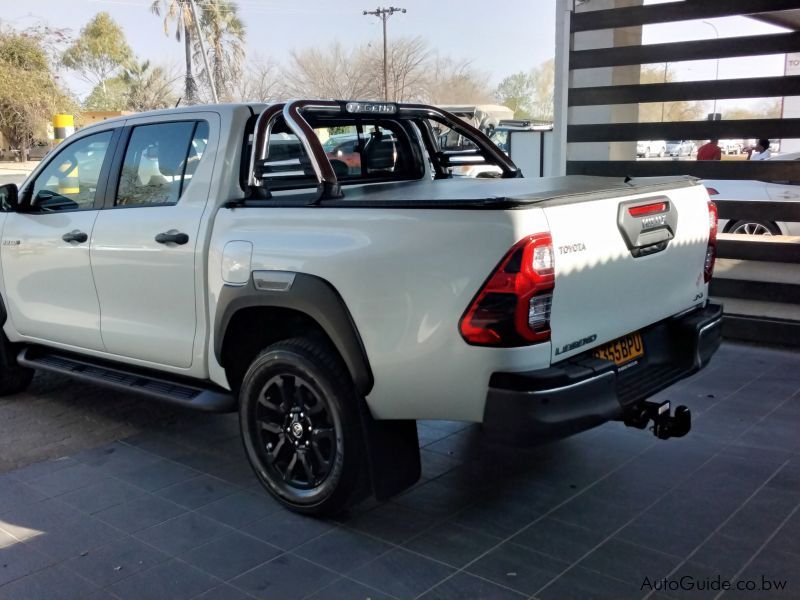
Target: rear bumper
<point>585,391</point>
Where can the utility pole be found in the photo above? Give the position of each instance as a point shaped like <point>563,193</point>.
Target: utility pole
<point>203,51</point>
<point>383,14</point>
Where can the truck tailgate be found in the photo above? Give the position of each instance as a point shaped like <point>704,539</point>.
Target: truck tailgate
<point>606,286</point>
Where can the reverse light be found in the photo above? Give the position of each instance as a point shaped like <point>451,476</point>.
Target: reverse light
<point>513,306</point>
<point>711,249</point>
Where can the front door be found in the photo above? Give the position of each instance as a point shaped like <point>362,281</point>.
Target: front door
<point>147,257</point>
<point>45,249</point>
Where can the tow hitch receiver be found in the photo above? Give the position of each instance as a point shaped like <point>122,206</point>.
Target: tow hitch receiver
<point>665,425</point>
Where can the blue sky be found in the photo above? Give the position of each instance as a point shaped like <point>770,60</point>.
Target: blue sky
<point>499,37</point>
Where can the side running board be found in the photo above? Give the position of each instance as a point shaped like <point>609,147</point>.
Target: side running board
<point>161,387</point>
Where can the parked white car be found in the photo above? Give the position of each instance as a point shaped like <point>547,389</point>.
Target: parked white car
<point>774,191</point>
<point>679,147</point>
<point>651,148</point>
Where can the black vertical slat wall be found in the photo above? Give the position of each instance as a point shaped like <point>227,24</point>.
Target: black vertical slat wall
<point>695,90</point>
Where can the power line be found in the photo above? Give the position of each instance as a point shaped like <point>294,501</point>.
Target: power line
<point>383,14</point>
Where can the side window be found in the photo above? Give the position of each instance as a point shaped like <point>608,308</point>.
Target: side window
<point>159,162</point>
<point>69,181</point>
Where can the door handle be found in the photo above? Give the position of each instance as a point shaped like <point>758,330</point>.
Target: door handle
<point>173,236</point>
<point>75,236</point>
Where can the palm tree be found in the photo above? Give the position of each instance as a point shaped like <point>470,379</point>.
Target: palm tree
<point>148,87</point>
<point>224,32</point>
<point>180,11</point>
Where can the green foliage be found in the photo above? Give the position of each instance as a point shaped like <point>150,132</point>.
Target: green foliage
<point>516,92</point>
<point>148,87</point>
<point>111,95</point>
<point>29,95</point>
<point>140,87</point>
<point>100,51</point>
<point>529,94</point>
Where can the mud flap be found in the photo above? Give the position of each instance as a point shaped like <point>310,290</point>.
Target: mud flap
<point>393,460</point>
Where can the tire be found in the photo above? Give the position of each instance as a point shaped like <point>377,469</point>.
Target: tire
<point>754,228</point>
<point>661,153</point>
<point>300,426</point>
<point>13,378</point>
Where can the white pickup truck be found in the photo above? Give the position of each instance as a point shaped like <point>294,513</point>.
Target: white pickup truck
<point>217,257</point>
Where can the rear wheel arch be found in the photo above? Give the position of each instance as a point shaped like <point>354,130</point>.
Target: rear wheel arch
<point>248,320</point>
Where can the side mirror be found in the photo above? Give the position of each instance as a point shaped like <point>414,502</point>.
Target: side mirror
<point>9,197</point>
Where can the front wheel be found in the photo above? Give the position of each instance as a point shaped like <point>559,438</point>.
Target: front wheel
<point>299,425</point>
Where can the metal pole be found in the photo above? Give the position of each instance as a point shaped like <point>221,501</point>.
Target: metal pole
<point>384,18</point>
<point>716,73</point>
<point>203,52</point>
<point>383,14</point>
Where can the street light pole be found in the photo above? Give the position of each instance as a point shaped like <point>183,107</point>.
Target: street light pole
<point>716,73</point>
<point>203,51</point>
<point>383,14</point>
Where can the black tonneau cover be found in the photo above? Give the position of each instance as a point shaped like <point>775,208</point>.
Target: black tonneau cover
<point>489,193</point>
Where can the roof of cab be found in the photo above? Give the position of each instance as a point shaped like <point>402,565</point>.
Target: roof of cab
<point>256,107</point>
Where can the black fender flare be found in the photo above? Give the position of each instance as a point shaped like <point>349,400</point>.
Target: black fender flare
<point>307,294</point>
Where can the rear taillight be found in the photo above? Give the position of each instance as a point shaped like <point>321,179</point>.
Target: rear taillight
<point>711,191</point>
<point>513,306</point>
<point>711,249</point>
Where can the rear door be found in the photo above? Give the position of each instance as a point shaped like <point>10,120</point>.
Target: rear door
<point>606,286</point>
<point>146,254</point>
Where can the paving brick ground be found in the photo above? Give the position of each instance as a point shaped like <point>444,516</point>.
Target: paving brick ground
<point>173,512</point>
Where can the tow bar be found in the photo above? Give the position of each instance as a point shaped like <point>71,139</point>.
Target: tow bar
<point>665,425</point>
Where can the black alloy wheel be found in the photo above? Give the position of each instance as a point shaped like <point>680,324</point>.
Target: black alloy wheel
<point>297,432</point>
<point>300,426</point>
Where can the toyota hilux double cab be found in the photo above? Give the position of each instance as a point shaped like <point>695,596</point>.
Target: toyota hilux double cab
<point>216,257</point>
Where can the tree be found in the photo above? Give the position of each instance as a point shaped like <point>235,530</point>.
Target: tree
<point>451,81</point>
<point>667,111</point>
<point>180,11</point>
<point>545,77</point>
<point>330,72</point>
<point>29,94</point>
<point>529,94</point>
<point>516,92</point>
<point>261,81</point>
<point>141,86</point>
<point>112,95</point>
<point>149,87</point>
<point>224,34</point>
<point>100,52</point>
<point>766,109</point>
<point>407,67</point>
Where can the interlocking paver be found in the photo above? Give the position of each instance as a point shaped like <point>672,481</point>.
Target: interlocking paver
<point>135,500</point>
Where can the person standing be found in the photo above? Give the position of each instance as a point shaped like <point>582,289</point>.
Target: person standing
<point>710,151</point>
<point>761,151</point>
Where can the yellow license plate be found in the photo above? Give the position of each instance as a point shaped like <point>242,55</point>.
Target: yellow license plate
<point>622,350</point>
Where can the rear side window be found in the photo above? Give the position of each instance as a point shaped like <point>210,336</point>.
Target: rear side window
<point>159,162</point>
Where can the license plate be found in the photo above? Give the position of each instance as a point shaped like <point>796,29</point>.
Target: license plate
<point>622,350</point>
